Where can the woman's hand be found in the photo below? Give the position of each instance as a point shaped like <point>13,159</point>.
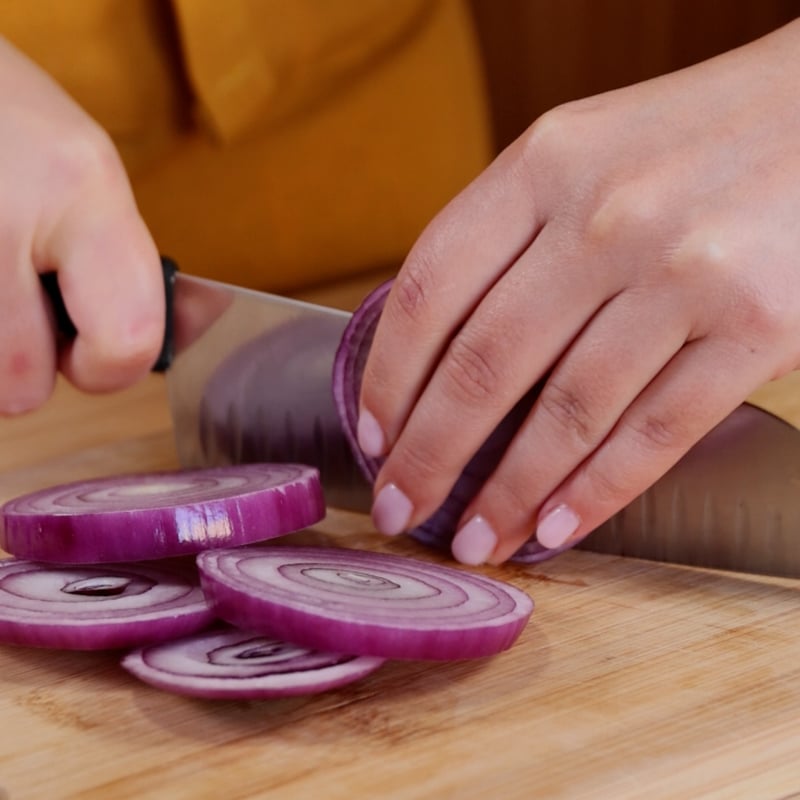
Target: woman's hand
<point>641,248</point>
<point>66,206</point>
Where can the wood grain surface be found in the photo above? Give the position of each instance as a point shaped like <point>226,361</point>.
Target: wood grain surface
<point>633,679</point>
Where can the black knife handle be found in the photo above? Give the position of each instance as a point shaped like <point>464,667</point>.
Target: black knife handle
<point>67,330</point>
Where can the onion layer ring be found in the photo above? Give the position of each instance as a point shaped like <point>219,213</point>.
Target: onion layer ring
<point>157,515</point>
<point>96,608</point>
<point>363,602</point>
<point>234,664</point>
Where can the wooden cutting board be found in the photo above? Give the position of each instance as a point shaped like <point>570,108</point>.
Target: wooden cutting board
<point>633,679</point>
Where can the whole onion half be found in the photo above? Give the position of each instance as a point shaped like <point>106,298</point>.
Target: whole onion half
<point>439,529</point>
<point>94,608</point>
<point>149,516</point>
<point>366,603</point>
<point>230,663</point>
<point>244,416</point>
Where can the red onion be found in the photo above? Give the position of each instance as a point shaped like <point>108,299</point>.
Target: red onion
<point>229,663</point>
<point>244,416</point>
<point>140,517</point>
<point>363,602</point>
<point>94,608</point>
<point>439,529</point>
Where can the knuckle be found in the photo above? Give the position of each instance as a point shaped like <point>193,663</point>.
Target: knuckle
<point>703,256</point>
<point>413,287</point>
<point>509,497</point>
<point>139,353</point>
<point>749,306</point>
<point>552,133</point>
<point>607,489</point>
<point>766,319</point>
<point>629,210</point>
<point>141,346</point>
<point>119,365</point>
<point>557,142</point>
<point>423,467</point>
<point>567,408</point>
<point>756,328</point>
<point>648,439</point>
<point>471,372</point>
<point>657,432</point>
<point>88,158</point>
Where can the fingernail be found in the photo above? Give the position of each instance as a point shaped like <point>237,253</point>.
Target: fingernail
<point>391,510</point>
<point>474,542</point>
<point>370,436</point>
<point>557,526</point>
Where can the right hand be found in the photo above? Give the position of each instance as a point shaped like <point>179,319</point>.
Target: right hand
<point>66,206</point>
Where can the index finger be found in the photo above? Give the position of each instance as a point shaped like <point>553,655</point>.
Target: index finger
<point>110,277</point>
<point>458,258</point>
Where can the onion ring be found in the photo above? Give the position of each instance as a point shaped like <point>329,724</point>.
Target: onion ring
<point>363,602</point>
<point>234,664</point>
<point>96,608</point>
<point>156,515</point>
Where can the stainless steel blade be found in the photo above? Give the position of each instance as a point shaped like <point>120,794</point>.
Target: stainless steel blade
<point>732,503</point>
<point>251,381</point>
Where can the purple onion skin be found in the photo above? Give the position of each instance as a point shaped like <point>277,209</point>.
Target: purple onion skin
<point>439,529</point>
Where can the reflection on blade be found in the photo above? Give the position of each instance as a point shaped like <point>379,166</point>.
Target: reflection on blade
<point>733,502</point>
<point>252,382</point>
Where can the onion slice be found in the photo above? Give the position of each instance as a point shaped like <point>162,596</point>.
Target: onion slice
<point>348,370</point>
<point>148,516</point>
<point>362,602</point>
<point>235,664</point>
<point>96,608</point>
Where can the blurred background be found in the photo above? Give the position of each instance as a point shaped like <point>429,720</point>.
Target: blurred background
<point>539,53</point>
<point>293,144</point>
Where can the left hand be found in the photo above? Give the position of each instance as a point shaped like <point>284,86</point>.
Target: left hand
<point>642,249</point>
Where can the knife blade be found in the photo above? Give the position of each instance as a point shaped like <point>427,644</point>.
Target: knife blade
<point>731,503</point>
<point>249,379</point>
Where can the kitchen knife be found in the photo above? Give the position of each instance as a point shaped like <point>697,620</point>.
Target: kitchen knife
<point>249,379</point>
<point>732,503</point>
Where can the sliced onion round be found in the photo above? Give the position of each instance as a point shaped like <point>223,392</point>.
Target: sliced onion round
<point>233,664</point>
<point>348,371</point>
<point>438,530</point>
<point>363,602</point>
<point>95,608</point>
<point>149,516</point>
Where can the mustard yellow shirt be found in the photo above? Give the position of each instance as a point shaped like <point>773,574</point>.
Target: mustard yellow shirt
<point>275,143</point>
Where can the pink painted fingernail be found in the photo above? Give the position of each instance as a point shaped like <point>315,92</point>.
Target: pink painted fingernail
<point>391,510</point>
<point>474,542</point>
<point>557,526</point>
<point>370,436</point>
